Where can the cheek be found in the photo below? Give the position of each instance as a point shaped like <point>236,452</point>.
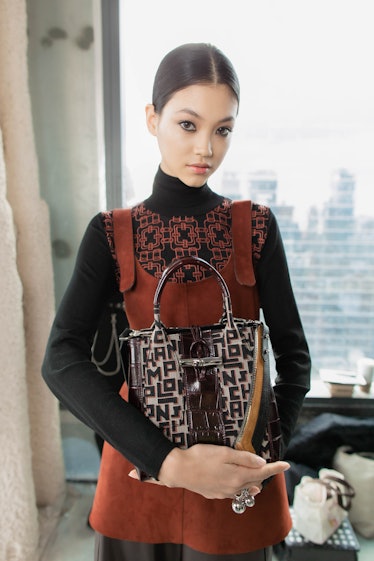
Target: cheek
<point>171,141</point>
<point>222,148</point>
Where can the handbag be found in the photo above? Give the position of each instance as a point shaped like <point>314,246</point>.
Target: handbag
<point>358,468</point>
<point>206,384</point>
<point>321,504</point>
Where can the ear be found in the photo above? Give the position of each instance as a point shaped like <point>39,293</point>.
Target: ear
<point>151,119</point>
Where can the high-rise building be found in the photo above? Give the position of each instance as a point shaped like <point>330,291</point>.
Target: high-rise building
<point>332,270</point>
<point>262,187</point>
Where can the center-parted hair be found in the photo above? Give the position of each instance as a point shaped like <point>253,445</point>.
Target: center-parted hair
<point>190,64</point>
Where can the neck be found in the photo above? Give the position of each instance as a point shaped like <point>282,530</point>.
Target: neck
<point>170,196</point>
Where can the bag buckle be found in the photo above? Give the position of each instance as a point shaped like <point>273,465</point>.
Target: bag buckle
<point>201,362</point>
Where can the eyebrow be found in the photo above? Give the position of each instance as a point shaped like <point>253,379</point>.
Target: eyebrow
<point>194,114</point>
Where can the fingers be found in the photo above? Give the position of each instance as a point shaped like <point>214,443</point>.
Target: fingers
<point>244,458</point>
<point>269,470</point>
<point>215,471</point>
<point>254,490</point>
<point>134,475</point>
<point>253,461</point>
<point>254,465</point>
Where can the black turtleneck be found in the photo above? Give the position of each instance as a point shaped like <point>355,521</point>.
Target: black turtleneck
<point>171,197</point>
<point>179,220</point>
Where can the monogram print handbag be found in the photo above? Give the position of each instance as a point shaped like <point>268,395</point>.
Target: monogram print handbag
<point>205,384</point>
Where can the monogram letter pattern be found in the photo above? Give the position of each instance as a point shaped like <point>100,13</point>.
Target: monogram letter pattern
<point>182,390</point>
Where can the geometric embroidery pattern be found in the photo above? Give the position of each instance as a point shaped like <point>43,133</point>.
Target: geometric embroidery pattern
<point>159,240</point>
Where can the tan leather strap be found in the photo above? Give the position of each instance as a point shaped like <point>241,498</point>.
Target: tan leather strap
<point>245,441</point>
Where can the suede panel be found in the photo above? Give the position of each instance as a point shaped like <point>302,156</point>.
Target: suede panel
<point>198,303</point>
<point>212,526</point>
<point>129,510</point>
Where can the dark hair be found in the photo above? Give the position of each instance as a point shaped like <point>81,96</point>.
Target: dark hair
<point>189,64</point>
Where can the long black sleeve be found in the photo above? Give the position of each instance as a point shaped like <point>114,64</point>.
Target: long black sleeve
<point>70,373</point>
<point>286,332</point>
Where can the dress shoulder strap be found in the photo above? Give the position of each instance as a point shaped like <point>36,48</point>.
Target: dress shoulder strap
<point>242,242</point>
<point>124,247</point>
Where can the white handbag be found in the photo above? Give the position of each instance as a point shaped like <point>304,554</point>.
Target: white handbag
<point>358,468</point>
<point>321,504</point>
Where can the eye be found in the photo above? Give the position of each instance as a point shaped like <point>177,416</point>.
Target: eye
<point>187,126</point>
<point>224,131</point>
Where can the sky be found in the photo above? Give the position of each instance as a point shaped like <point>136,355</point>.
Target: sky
<point>307,88</point>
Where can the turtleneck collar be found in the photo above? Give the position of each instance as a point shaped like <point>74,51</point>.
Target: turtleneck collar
<point>170,196</point>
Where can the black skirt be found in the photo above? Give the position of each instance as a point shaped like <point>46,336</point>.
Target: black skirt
<point>109,549</point>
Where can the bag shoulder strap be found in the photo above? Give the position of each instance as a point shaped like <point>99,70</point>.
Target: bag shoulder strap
<point>124,247</point>
<point>242,242</point>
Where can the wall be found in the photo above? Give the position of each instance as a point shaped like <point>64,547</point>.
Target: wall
<point>66,94</point>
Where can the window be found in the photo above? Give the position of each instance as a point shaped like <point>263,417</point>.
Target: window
<point>303,142</point>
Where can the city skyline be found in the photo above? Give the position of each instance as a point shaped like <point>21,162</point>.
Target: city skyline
<point>331,266</point>
<point>306,90</point>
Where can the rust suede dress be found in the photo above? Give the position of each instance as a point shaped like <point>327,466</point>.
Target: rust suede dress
<point>127,509</point>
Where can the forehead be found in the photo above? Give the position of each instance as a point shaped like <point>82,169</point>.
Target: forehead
<point>214,100</point>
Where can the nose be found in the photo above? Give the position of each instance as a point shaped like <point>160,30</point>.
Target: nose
<point>203,146</point>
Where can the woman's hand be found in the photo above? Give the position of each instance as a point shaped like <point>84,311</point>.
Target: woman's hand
<point>215,472</point>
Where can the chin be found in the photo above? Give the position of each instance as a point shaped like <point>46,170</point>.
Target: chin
<point>196,182</point>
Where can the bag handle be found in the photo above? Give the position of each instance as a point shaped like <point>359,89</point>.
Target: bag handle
<point>178,264</point>
<point>335,485</point>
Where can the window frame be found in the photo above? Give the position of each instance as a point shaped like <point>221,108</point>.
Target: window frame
<point>110,23</point>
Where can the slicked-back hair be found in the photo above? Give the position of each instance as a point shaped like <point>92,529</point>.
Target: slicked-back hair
<point>191,64</point>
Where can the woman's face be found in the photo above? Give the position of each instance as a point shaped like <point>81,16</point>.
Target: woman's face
<point>194,131</point>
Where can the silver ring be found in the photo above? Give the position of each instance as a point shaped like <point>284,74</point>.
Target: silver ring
<point>241,501</point>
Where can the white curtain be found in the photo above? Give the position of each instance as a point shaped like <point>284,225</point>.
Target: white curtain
<point>31,469</point>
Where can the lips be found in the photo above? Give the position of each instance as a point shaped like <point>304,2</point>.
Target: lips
<point>200,169</point>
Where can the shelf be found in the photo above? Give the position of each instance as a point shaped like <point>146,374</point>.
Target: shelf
<point>319,400</point>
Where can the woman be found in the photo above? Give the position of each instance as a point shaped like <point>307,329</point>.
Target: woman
<point>183,511</point>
